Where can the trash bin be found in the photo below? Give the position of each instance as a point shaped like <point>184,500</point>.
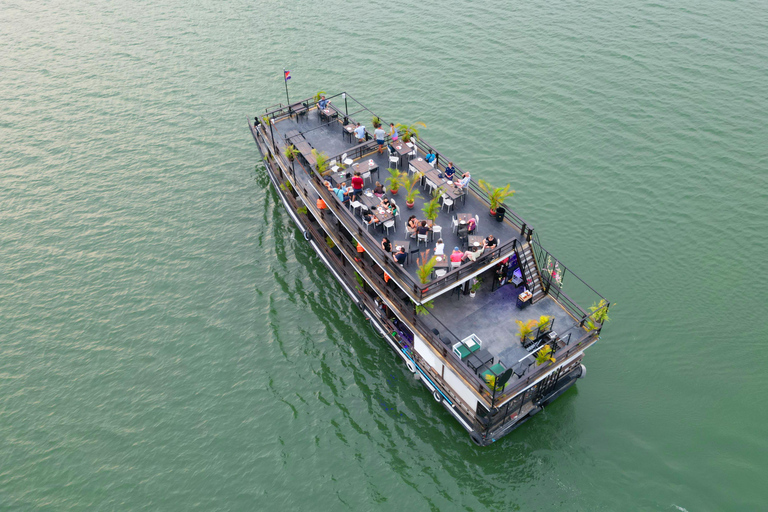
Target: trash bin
<point>500,211</point>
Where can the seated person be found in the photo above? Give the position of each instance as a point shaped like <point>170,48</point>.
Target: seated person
<point>422,229</point>
<point>385,203</point>
<point>400,256</point>
<point>322,103</point>
<point>321,204</point>
<point>393,208</point>
<point>464,181</point>
<point>412,225</point>
<point>450,171</point>
<point>456,255</point>
<point>370,218</point>
<point>490,242</point>
<point>386,245</point>
<point>341,192</point>
<point>360,133</point>
<point>430,157</point>
<point>472,255</point>
<point>471,225</point>
<point>439,247</point>
<point>378,190</point>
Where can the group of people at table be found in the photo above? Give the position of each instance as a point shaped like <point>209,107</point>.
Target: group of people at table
<point>457,256</point>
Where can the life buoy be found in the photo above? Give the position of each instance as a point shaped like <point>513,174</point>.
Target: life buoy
<point>583,372</point>
<point>437,396</point>
<point>307,236</point>
<point>411,365</point>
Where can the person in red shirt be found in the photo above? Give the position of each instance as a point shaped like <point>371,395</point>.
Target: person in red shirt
<point>357,186</point>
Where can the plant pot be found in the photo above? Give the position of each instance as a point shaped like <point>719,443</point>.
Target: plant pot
<point>472,294</point>
<point>394,192</point>
<point>493,212</point>
<point>410,205</point>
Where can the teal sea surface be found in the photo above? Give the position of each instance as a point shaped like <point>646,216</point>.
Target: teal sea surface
<point>168,341</point>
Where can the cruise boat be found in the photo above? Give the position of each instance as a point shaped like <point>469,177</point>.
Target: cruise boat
<point>494,336</point>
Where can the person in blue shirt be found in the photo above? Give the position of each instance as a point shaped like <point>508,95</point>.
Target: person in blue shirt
<point>360,133</point>
<point>430,158</point>
<point>341,192</point>
<point>450,170</point>
<point>322,103</point>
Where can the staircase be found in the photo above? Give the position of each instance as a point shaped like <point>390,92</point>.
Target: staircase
<point>530,272</point>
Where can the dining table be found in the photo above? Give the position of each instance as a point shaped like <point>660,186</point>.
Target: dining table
<point>328,113</point>
<point>402,243</point>
<point>365,166</point>
<point>420,165</point>
<point>475,242</point>
<point>478,359</point>
<point>442,261</point>
<point>374,205</point>
<point>402,149</point>
<point>348,130</point>
<point>448,187</point>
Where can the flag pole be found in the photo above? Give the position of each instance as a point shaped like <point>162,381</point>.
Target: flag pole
<point>286,88</point>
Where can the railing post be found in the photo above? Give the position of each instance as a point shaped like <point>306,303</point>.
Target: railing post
<point>522,229</point>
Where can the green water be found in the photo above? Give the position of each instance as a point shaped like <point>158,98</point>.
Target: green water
<point>166,342</point>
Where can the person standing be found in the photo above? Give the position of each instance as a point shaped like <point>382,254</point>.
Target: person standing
<point>357,185</point>
<point>393,131</point>
<point>380,136</point>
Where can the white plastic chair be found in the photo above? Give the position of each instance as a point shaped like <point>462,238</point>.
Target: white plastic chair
<point>333,165</point>
<point>477,223</point>
<point>355,205</point>
<point>366,176</point>
<point>393,159</point>
<point>436,230</point>
<point>347,161</point>
<point>447,201</point>
<point>431,186</point>
<point>390,224</point>
<point>454,224</point>
<point>421,238</point>
<point>440,272</point>
<point>455,264</point>
<point>368,225</point>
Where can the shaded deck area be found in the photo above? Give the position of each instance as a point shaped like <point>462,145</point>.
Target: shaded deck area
<point>331,138</point>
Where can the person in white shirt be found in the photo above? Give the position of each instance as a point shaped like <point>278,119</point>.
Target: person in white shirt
<point>360,133</point>
<point>439,247</point>
<point>380,135</point>
<point>464,181</point>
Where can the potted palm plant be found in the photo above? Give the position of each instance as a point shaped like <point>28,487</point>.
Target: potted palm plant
<point>318,95</point>
<point>599,314</point>
<point>526,328</point>
<point>425,266</point>
<point>432,208</point>
<point>394,181</point>
<point>375,121</point>
<point>322,161</point>
<point>544,355</point>
<point>290,152</point>
<point>543,323</point>
<point>411,192</point>
<point>408,132</point>
<point>496,195</point>
<point>475,286</point>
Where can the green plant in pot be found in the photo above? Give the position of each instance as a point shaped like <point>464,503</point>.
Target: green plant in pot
<point>394,181</point>
<point>525,329</point>
<point>543,323</point>
<point>425,266</point>
<point>409,132</point>
<point>318,95</point>
<point>375,121</point>
<point>599,314</point>
<point>544,356</point>
<point>475,286</point>
<point>411,192</point>
<point>322,162</point>
<point>496,195</point>
<point>423,309</point>
<point>431,209</point>
<point>290,152</point>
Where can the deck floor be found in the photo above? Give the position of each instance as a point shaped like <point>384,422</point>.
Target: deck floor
<point>330,138</point>
<point>490,314</point>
